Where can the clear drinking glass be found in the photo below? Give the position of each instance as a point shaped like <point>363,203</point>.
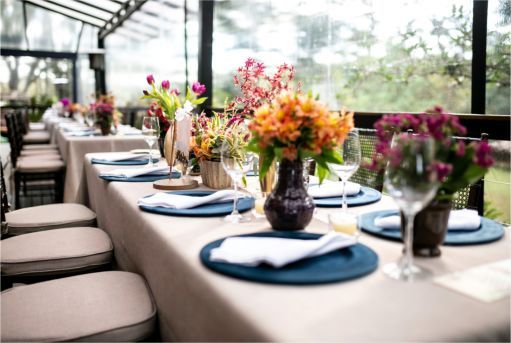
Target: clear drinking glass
<point>236,162</point>
<point>351,155</point>
<point>412,181</point>
<point>89,119</point>
<point>150,130</point>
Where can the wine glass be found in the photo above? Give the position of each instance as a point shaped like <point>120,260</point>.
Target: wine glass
<point>89,119</point>
<point>410,179</point>
<point>351,156</point>
<point>150,130</point>
<point>236,161</point>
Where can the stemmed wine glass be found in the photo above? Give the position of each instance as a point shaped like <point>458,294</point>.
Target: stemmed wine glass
<point>410,179</point>
<point>150,130</point>
<point>236,161</point>
<point>351,156</point>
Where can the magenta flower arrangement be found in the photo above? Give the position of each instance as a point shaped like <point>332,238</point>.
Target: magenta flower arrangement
<point>258,88</point>
<point>457,164</point>
<point>167,105</point>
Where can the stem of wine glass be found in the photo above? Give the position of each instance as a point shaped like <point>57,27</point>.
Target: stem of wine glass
<point>150,155</point>
<point>408,254</point>
<point>344,202</point>
<point>235,204</point>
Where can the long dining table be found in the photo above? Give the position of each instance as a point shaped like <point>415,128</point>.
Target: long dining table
<point>197,304</point>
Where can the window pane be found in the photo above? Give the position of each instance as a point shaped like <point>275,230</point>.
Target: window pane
<point>11,25</point>
<point>498,91</point>
<point>373,55</point>
<point>24,77</point>
<point>497,189</point>
<point>50,31</point>
<point>151,42</point>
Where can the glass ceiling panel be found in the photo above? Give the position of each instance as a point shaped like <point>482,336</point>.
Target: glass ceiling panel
<point>84,8</point>
<point>11,25</point>
<point>106,4</point>
<point>51,31</point>
<point>89,40</point>
<point>78,16</point>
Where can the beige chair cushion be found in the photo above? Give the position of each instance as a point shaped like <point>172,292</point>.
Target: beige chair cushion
<point>55,251</point>
<point>36,126</point>
<point>48,217</point>
<point>40,146</point>
<point>107,306</point>
<point>40,157</point>
<point>36,137</point>
<point>39,166</point>
<point>39,152</point>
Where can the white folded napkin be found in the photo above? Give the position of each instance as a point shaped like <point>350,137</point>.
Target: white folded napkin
<point>132,172</point>
<point>252,251</point>
<point>333,189</point>
<point>178,202</point>
<point>458,220</point>
<point>128,130</point>
<point>125,157</point>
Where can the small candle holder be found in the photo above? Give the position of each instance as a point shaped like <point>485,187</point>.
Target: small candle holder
<point>346,223</point>
<point>258,210</point>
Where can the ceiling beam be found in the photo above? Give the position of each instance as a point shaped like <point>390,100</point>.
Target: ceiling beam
<point>126,10</point>
<point>58,4</point>
<point>94,6</point>
<point>43,6</point>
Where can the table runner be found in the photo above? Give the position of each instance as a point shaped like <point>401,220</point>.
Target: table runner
<point>199,305</point>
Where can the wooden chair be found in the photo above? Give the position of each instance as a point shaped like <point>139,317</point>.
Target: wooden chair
<point>365,176</point>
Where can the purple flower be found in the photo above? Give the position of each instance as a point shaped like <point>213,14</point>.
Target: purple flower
<point>65,102</point>
<point>460,149</point>
<point>150,79</point>
<point>483,155</point>
<point>198,89</point>
<point>175,91</point>
<point>165,84</point>
<point>145,92</point>
<point>443,170</point>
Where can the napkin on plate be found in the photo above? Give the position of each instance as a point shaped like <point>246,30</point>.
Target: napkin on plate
<point>333,189</point>
<point>125,157</point>
<point>458,220</point>
<point>252,251</point>
<point>179,202</point>
<point>133,172</point>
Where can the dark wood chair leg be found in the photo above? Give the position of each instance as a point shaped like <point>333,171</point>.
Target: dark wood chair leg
<point>17,185</point>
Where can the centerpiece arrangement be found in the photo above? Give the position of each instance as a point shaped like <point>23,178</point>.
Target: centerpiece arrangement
<point>170,109</point>
<point>105,113</point>
<point>289,129</point>
<point>457,165</point>
<point>258,88</point>
<point>208,135</point>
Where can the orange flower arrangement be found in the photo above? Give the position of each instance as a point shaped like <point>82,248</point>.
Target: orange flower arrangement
<point>296,126</point>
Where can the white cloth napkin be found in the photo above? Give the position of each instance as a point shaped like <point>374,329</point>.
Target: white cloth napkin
<point>132,172</point>
<point>333,189</point>
<point>252,251</point>
<point>184,201</point>
<point>125,157</point>
<point>458,220</point>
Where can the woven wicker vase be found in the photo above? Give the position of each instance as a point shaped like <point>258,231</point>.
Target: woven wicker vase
<point>213,175</point>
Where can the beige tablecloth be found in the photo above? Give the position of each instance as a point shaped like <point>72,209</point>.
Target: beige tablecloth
<point>73,150</point>
<point>197,304</point>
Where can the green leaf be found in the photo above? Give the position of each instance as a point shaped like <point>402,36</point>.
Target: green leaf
<point>267,160</point>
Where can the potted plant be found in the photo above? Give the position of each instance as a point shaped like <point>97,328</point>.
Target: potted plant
<point>208,135</point>
<point>290,129</point>
<point>457,164</point>
<point>104,110</point>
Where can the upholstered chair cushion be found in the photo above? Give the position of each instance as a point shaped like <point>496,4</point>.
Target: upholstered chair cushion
<point>47,217</point>
<point>39,166</point>
<point>55,251</point>
<point>107,306</point>
<point>39,152</point>
<point>36,137</point>
<point>36,126</point>
<point>40,146</point>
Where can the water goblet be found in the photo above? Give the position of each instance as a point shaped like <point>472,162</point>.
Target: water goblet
<point>351,156</point>
<point>237,162</point>
<point>150,130</point>
<point>411,179</point>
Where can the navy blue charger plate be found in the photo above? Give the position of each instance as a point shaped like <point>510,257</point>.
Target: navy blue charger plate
<point>340,265</point>
<point>208,210</point>
<point>141,178</point>
<point>488,232</point>
<point>123,163</point>
<point>364,197</point>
